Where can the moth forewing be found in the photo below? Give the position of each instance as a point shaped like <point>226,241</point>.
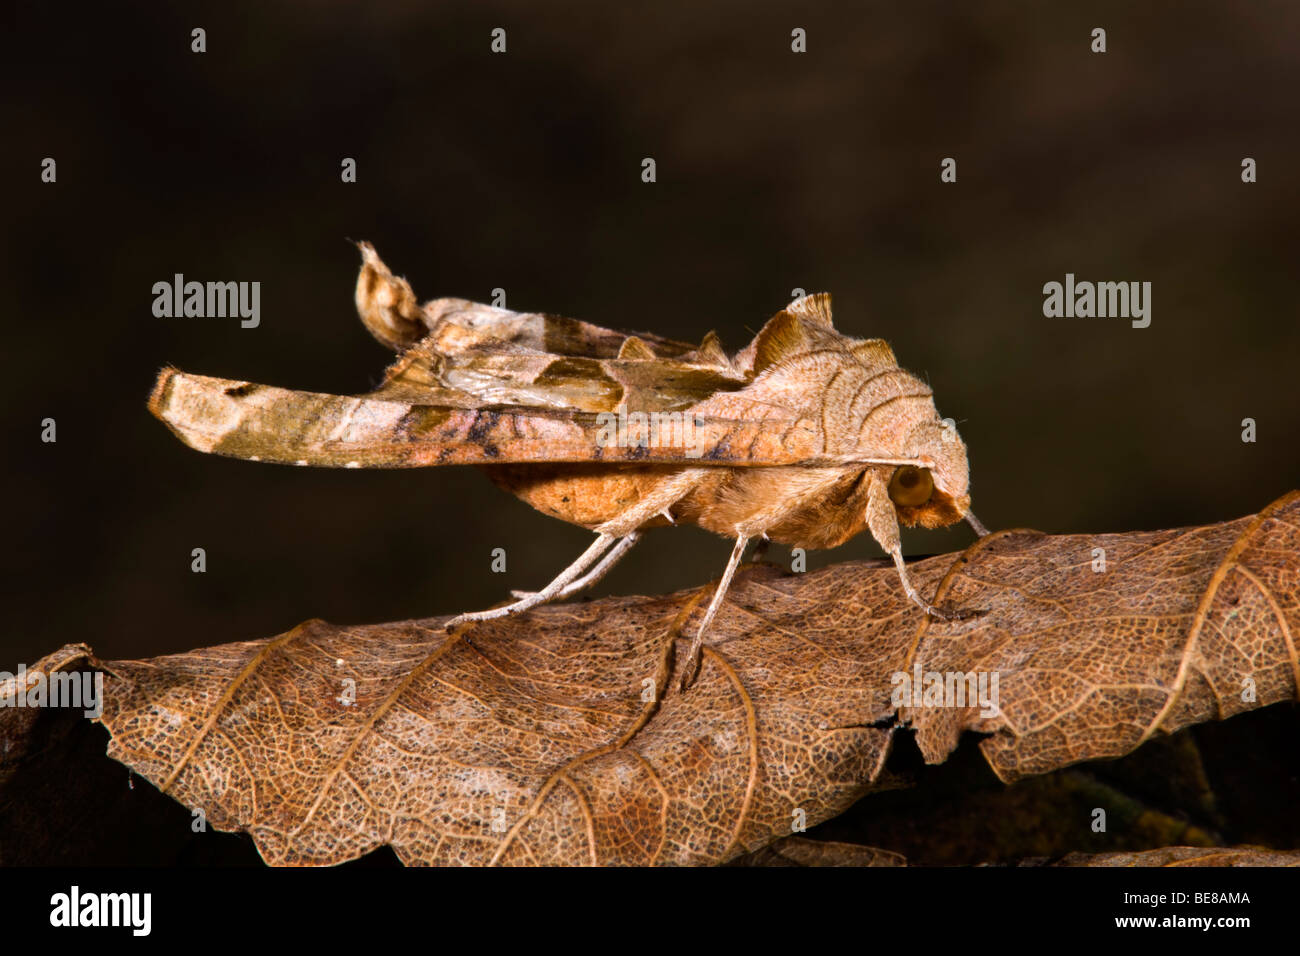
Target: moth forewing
<point>264,423</point>
<point>805,436</point>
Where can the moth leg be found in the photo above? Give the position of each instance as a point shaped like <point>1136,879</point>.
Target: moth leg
<point>667,494</point>
<point>595,574</point>
<point>882,521</point>
<point>760,549</point>
<point>693,655</point>
<point>975,524</point>
<point>598,547</point>
<point>624,529</point>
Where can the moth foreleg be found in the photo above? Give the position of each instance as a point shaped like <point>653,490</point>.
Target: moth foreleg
<point>595,574</point>
<point>912,592</point>
<point>697,643</point>
<point>548,593</point>
<point>882,521</point>
<point>976,525</point>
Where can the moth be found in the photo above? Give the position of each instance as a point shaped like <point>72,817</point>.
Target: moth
<point>805,437</point>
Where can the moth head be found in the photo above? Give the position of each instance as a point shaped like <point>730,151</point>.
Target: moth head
<point>938,494</point>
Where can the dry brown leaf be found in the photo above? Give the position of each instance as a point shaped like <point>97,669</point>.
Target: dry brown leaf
<point>801,851</point>
<point>1188,856</point>
<point>539,723</point>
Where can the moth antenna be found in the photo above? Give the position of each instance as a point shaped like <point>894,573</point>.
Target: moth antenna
<point>697,643</point>
<point>923,462</point>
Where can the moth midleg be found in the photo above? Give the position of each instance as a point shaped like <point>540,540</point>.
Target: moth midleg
<point>626,527</point>
<point>595,574</point>
<point>597,548</point>
<point>697,643</point>
<point>618,529</point>
<point>882,522</point>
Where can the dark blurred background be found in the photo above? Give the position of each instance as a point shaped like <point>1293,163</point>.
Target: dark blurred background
<point>522,171</point>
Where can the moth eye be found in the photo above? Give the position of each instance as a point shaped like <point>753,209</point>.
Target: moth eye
<point>911,486</point>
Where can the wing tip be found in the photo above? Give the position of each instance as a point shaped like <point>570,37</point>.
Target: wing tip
<point>161,386</point>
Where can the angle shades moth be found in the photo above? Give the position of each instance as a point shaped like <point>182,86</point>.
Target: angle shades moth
<point>805,437</point>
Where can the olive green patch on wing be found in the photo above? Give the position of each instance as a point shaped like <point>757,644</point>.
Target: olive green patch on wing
<point>502,377</point>
<point>517,376</point>
<point>670,386</point>
<point>458,325</point>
